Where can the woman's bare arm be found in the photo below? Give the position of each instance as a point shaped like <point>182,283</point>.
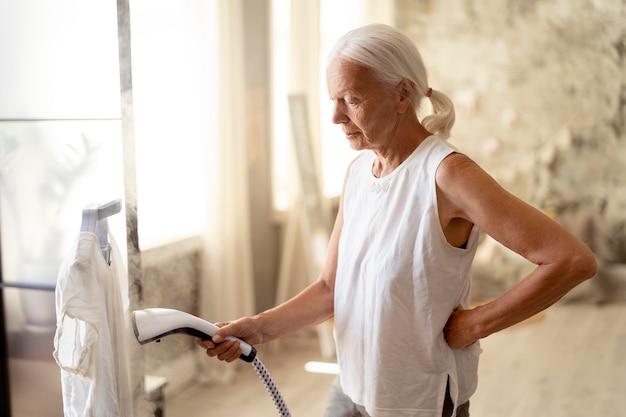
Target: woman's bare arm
<point>562,260</point>
<point>313,305</point>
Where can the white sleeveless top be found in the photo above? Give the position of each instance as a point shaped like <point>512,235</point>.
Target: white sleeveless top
<point>398,280</point>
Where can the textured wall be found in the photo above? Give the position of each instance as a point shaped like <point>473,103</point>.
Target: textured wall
<point>540,90</point>
<point>171,280</point>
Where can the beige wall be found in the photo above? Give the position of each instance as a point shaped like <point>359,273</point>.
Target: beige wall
<point>540,90</point>
<point>540,94</point>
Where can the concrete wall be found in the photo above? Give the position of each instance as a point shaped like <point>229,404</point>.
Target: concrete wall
<point>540,90</point>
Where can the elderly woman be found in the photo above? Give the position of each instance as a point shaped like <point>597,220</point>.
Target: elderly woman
<point>397,274</point>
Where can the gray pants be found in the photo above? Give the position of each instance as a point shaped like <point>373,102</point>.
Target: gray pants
<point>340,405</point>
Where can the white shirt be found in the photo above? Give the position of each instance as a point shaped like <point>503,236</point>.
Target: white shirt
<point>398,280</point>
<point>91,337</point>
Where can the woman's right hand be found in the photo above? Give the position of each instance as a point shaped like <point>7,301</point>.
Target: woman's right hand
<point>229,350</point>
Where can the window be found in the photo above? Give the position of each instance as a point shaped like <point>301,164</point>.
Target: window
<point>172,67</point>
<point>335,20</point>
<point>289,25</point>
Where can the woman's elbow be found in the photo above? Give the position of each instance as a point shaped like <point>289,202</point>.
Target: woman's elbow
<point>585,264</point>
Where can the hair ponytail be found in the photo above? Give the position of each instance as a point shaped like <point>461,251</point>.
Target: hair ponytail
<point>440,122</point>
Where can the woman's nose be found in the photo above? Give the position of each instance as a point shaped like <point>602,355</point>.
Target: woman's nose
<point>339,116</point>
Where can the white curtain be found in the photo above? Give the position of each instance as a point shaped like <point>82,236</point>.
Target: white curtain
<point>227,292</point>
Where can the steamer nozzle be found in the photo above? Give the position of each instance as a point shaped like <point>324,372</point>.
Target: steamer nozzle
<point>155,323</point>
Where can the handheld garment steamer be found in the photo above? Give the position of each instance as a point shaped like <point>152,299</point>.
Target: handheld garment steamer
<point>152,324</point>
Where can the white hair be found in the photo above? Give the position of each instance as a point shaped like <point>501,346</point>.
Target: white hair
<point>394,57</point>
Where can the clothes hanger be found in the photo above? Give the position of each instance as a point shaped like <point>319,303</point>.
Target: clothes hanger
<point>94,221</point>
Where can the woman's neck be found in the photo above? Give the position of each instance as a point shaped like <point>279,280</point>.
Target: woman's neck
<point>401,147</point>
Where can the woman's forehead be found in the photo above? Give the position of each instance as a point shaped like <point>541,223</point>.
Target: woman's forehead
<point>345,75</point>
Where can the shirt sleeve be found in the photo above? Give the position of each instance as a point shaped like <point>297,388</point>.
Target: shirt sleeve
<point>74,343</point>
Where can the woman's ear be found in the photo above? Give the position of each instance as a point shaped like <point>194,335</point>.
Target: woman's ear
<point>406,90</point>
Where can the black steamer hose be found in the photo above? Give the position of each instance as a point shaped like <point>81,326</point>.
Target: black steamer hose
<point>151,324</point>
<point>271,387</point>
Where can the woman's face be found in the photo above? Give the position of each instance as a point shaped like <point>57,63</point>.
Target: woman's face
<point>364,107</point>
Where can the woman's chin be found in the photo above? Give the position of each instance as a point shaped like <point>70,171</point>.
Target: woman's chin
<point>356,143</point>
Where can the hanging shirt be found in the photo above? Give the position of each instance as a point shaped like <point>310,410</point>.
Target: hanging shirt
<point>91,335</point>
<point>398,280</point>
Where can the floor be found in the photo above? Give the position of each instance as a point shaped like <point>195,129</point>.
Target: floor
<point>569,361</point>
<point>35,388</point>
<point>304,393</point>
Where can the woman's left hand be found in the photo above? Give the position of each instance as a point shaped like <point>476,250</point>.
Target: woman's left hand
<point>457,330</point>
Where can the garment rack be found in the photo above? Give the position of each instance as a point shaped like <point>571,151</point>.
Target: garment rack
<point>93,220</point>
